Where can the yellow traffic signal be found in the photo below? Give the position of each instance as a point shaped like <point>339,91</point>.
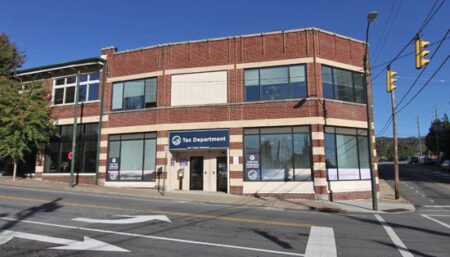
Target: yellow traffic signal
<point>391,78</point>
<point>421,53</point>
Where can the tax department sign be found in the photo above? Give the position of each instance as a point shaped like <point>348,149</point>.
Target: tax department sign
<point>199,139</point>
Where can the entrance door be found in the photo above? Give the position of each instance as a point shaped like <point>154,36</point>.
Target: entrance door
<point>222,171</point>
<point>196,173</point>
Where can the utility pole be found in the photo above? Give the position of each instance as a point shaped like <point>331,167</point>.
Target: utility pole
<point>390,81</point>
<point>394,128</point>
<point>74,135</point>
<point>420,139</point>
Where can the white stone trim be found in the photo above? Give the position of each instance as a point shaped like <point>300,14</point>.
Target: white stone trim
<point>274,63</point>
<point>236,167</point>
<point>135,76</point>
<point>200,69</point>
<point>67,174</point>
<point>350,186</point>
<point>346,123</point>
<point>162,141</point>
<point>318,150</point>
<point>102,156</point>
<point>279,187</point>
<point>320,182</point>
<point>339,65</point>
<point>87,119</point>
<point>39,169</point>
<point>104,143</point>
<point>236,152</point>
<point>160,154</point>
<point>236,138</point>
<point>236,182</point>
<point>129,184</point>
<point>101,169</point>
<point>318,135</point>
<point>319,166</point>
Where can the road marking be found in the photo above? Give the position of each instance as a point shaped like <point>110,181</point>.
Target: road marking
<point>321,243</point>
<point>157,237</point>
<point>436,220</point>
<point>417,191</point>
<point>401,247</point>
<point>88,244</point>
<point>170,213</point>
<point>431,200</point>
<point>436,206</point>
<point>131,219</point>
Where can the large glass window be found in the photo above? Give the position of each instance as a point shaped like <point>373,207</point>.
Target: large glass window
<point>131,157</point>
<point>136,94</point>
<point>279,154</point>
<point>57,159</point>
<point>347,154</point>
<point>64,88</point>
<point>343,85</point>
<point>282,82</point>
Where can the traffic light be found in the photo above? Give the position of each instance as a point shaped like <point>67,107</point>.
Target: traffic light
<point>421,53</point>
<point>391,78</point>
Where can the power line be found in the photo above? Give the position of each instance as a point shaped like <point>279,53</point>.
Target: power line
<point>429,80</point>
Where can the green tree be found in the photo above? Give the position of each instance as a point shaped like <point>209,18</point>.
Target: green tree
<point>25,121</point>
<point>439,136</point>
<point>10,57</point>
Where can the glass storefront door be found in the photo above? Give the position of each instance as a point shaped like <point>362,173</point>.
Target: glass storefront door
<point>196,173</point>
<point>222,174</point>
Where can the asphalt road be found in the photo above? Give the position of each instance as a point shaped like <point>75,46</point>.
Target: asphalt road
<point>37,222</point>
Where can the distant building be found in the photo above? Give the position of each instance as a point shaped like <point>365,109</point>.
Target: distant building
<point>280,113</point>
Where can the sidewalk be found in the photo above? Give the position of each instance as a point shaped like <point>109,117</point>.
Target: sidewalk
<point>386,202</point>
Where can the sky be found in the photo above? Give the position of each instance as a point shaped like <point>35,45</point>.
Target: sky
<point>51,31</point>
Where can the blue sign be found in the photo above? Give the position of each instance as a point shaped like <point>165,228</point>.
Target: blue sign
<point>199,139</point>
<point>252,166</point>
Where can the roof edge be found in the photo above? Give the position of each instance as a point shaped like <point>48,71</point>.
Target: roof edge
<point>78,62</point>
<point>236,36</point>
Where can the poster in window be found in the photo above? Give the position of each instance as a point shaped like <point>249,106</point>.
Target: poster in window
<point>252,167</point>
<point>113,168</point>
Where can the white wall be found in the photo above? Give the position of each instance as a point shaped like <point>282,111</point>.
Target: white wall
<point>199,88</point>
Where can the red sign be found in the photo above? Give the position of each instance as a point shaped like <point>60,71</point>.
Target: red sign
<point>69,155</point>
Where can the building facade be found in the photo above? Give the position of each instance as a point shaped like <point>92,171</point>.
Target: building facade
<point>272,114</point>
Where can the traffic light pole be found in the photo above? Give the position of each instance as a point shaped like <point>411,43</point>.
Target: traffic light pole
<point>394,128</point>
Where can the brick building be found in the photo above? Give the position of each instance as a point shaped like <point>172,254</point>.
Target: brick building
<point>281,113</point>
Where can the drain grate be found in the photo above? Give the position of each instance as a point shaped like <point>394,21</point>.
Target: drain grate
<point>395,210</point>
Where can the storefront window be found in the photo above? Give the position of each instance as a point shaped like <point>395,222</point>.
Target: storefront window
<point>347,154</point>
<point>136,94</point>
<point>57,160</point>
<point>281,82</point>
<point>278,154</point>
<point>343,85</point>
<point>131,157</point>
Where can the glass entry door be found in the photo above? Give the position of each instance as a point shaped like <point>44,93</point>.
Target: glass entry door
<point>222,171</point>
<point>196,173</point>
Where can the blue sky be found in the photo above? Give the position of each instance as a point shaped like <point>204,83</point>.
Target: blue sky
<point>56,31</point>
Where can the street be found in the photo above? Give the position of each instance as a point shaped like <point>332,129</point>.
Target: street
<point>42,222</point>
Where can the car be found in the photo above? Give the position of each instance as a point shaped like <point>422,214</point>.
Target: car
<point>445,165</point>
<point>413,160</point>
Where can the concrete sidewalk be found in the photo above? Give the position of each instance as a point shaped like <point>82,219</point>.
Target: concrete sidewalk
<point>386,202</point>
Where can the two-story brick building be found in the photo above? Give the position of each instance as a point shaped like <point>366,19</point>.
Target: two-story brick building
<point>281,113</point>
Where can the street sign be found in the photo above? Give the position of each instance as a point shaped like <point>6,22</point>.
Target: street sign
<point>70,155</point>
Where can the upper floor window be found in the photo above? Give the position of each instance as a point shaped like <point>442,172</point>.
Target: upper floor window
<point>135,94</point>
<point>64,88</point>
<point>343,85</point>
<point>282,82</point>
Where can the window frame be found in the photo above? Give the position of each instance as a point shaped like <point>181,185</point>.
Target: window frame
<point>290,84</point>
<point>292,133</point>
<point>86,83</point>
<point>145,136</point>
<point>123,93</point>
<point>334,85</point>
<point>357,136</point>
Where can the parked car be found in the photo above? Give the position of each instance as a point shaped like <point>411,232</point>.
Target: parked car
<point>413,160</point>
<point>445,165</point>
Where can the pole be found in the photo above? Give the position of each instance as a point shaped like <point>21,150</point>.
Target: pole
<point>437,130</point>
<point>369,123</point>
<point>100,120</point>
<point>420,139</point>
<point>74,132</point>
<point>394,128</point>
